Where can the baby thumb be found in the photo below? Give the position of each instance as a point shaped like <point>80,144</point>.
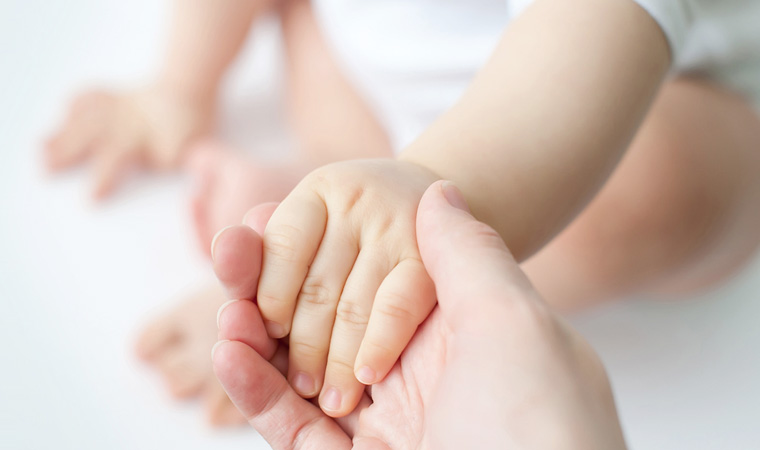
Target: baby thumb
<point>467,260</point>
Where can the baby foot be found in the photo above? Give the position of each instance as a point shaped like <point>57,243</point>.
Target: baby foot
<point>228,185</point>
<point>178,344</point>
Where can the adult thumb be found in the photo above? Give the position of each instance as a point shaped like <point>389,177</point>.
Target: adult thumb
<point>469,263</point>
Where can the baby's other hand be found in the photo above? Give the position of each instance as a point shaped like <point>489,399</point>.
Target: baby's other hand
<point>343,276</point>
<point>116,130</point>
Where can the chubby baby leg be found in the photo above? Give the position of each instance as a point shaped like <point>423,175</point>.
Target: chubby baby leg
<point>680,212</point>
<point>331,120</point>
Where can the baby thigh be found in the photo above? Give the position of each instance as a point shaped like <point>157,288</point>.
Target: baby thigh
<point>680,212</point>
<point>331,120</point>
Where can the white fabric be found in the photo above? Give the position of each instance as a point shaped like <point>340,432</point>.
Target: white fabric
<point>412,59</point>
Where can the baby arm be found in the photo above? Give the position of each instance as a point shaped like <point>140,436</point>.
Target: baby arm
<point>547,119</point>
<point>152,126</point>
<point>205,38</point>
<point>529,143</point>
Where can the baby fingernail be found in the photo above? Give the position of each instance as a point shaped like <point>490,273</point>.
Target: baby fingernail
<point>222,308</point>
<point>213,349</point>
<point>303,383</point>
<point>274,329</point>
<point>331,400</point>
<point>365,375</point>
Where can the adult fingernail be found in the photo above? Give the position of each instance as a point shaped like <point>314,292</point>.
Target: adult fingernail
<point>213,241</point>
<point>303,383</point>
<point>246,217</point>
<point>213,349</point>
<point>222,308</point>
<point>454,196</point>
<point>274,329</point>
<point>331,400</point>
<point>365,375</point>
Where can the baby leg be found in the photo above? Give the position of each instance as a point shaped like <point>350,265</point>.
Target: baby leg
<point>332,122</point>
<point>680,213</point>
<point>329,119</point>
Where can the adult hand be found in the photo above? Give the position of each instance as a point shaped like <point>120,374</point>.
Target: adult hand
<point>491,367</point>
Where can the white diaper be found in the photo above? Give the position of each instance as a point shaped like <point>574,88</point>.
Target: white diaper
<point>412,59</point>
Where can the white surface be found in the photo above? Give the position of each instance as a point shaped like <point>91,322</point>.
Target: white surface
<point>77,280</point>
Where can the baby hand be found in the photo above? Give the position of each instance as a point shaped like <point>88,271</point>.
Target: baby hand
<point>343,276</point>
<point>151,127</point>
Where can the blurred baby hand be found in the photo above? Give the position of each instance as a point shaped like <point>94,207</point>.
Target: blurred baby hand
<point>343,276</point>
<point>117,130</point>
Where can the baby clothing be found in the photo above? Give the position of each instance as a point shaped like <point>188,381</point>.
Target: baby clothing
<point>412,59</point>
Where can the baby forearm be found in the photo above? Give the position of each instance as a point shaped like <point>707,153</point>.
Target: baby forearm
<point>205,36</point>
<point>544,123</point>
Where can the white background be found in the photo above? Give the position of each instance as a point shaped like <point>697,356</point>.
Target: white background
<point>77,279</point>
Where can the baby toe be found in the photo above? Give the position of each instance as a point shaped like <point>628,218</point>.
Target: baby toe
<point>182,377</point>
<point>156,338</point>
<point>219,408</point>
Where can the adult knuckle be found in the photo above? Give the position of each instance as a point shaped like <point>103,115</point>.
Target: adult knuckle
<point>302,434</point>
